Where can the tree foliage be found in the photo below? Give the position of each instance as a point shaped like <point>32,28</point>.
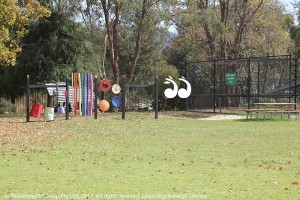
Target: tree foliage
<point>56,46</point>
<point>295,31</point>
<point>233,28</point>
<point>15,16</point>
<point>135,24</point>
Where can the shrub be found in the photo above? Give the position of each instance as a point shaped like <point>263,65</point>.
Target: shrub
<point>2,107</point>
<point>7,107</point>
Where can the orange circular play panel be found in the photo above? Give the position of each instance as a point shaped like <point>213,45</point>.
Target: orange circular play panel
<point>103,105</point>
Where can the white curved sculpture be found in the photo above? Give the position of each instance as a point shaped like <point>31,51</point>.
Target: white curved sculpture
<point>185,93</point>
<point>169,92</point>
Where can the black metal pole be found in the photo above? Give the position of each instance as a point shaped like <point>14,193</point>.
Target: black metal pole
<point>27,99</point>
<point>258,80</point>
<point>226,87</point>
<point>185,75</point>
<point>156,97</point>
<point>215,87</point>
<point>249,82</point>
<point>295,88</point>
<point>290,77</point>
<point>123,97</point>
<point>67,97</point>
<point>96,97</point>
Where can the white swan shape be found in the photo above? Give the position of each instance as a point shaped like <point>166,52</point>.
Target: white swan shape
<point>185,93</point>
<point>169,92</point>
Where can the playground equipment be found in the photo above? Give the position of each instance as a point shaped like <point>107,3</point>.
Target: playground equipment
<point>116,89</point>
<point>83,94</point>
<point>36,107</point>
<point>104,105</point>
<point>36,110</point>
<point>49,113</point>
<point>104,85</point>
<point>116,101</point>
<point>61,110</point>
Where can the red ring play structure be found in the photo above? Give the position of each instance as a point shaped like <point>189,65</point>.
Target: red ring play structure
<point>104,85</point>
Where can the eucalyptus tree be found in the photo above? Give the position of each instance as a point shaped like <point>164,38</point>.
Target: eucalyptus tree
<point>229,28</point>
<point>136,24</point>
<point>295,30</point>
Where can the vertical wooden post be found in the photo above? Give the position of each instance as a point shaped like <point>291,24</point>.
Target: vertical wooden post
<point>185,75</point>
<point>123,97</point>
<point>215,100</point>
<point>156,97</point>
<point>258,81</point>
<point>27,99</point>
<point>295,83</point>
<point>96,97</point>
<point>67,97</point>
<point>290,78</point>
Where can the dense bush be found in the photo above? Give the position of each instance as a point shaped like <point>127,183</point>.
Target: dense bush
<point>6,106</point>
<point>2,107</point>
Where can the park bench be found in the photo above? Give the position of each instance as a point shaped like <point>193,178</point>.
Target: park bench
<point>257,111</point>
<point>288,112</point>
<point>250,111</point>
<point>268,108</point>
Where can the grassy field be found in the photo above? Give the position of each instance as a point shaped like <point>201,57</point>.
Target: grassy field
<point>143,158</point>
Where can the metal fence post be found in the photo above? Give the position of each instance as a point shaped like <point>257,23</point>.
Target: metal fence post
<point>249,82</point>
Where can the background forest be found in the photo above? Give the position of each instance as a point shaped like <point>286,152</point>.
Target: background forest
<point>49,39</point>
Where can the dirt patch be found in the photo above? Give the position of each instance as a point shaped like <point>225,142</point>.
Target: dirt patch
<point>12,129</point>
<point>223,117</point>
<point>203,116</point>
<point>193,116</point>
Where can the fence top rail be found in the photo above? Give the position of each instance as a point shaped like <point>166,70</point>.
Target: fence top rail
<point>139,86</point>
<point>274,104</point>
<point>247,59</point>
<point>45,86</point>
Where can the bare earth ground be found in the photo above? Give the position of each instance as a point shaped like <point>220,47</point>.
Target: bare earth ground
<point>17,127</point>
<point>13,128</point>
<point>223,117</point>
<point>208,116</point>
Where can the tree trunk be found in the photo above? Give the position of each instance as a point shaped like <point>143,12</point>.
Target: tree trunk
<point>137,48</point>
<point>112,37</point>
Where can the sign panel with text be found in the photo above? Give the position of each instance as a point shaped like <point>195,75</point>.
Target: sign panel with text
<point>230,78</point>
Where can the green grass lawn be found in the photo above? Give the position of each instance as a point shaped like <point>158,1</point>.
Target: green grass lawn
<point>169,158</point>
